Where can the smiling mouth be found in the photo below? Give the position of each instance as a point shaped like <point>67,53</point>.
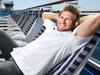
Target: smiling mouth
<point>63,25</point>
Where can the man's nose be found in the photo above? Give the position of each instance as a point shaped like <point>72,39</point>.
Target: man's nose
<point>64,21</point>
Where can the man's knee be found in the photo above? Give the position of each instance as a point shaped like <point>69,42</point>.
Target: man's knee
<point>5,67</point>
<point>9,68</point>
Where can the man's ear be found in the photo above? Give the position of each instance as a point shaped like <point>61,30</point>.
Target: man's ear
<point>77,23</point>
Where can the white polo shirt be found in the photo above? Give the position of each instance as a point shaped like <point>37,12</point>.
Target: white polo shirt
<point>37,57</point>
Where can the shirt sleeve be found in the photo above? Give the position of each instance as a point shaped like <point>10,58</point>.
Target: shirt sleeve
<point>79,42</point>
<point>81,39</point>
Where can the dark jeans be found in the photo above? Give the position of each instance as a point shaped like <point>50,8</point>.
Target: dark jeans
<point>6,45</point>
<point>9,67</point>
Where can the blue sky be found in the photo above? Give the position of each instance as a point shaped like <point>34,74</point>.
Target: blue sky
<point>21,4</point>
<point>89,4</point>
<point>84,4</point>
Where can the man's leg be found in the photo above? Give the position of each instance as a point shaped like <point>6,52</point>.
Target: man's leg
<point>6,44</point>
<point>9,67</point>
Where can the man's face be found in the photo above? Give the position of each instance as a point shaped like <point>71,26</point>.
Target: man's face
<point>65,21</point>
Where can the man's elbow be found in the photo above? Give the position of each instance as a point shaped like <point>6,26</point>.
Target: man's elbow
<point>97,21</point>
<point>44,15</point>
<point>97,16</point>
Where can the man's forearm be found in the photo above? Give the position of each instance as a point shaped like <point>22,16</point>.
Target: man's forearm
<point>49,15</point>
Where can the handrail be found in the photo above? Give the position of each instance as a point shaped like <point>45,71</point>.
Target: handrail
<point>52,3</point>
<point>93,63</point>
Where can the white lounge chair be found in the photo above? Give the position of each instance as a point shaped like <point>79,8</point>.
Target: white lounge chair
<point>73,64</point>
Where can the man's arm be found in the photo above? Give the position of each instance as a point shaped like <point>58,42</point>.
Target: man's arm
<point>88,25</point>
<point>49,15</point>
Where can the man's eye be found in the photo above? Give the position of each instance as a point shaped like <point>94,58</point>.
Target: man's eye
<point>61,17</point>
<point>68,19</point>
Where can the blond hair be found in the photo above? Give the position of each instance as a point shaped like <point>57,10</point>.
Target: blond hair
<point>71,9</point>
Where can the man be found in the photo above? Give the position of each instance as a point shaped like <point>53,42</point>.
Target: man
<point>57,41</point>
